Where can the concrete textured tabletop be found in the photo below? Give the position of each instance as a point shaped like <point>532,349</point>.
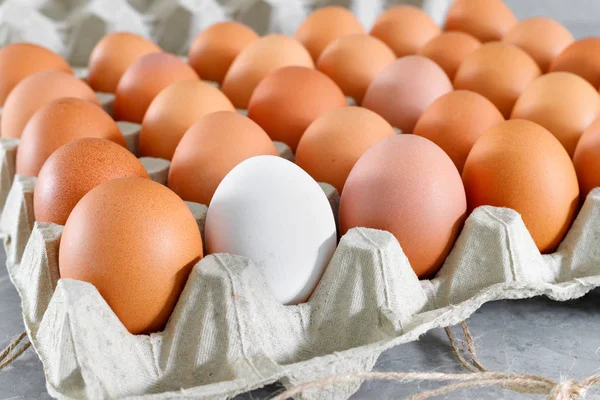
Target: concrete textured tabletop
<point>535,336</point>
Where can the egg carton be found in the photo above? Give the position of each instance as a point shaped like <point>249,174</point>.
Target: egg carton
<point>228,333</point>
<point>73,28</point>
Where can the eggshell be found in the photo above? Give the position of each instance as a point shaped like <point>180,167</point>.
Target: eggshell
<point>405,29</point>
<point>449,50</point>
<point>561,102</point>
<point>408,186</point>
<point>35,91</point>
<point>581,58</point>
<point>20,60</point>
<point>334,142</point>
<point>325,25</point>
<point>498,71</point>
<point>404,89</point>
<point>269,210</point>
<point>455,121</point>
<point>214,49</point>
<point>112,56</point>
<point>287,101</point>
<point>75,169</point>
<point>173,111</point>
<point>519,164</point>
<point>136,242</point>
<point>540,37</point>
<point>587,159</point>
<point>258,60</point>
<point>57,123</point>
<point>210,149</point>
<point>487,20</point>
<point>143,80</point>
<point>354,61</point>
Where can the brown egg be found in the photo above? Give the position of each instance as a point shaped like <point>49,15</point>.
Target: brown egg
<point>449,50</point>
<point>56,124</point>
<point>75,169</point>
<point>561,102</point>
<point>324,26</point>
<point>210,149</point>
<point>111,57</point>
<point>499,71</point>
<point>354,61</point>
<point>173,111</point>
<point>20,60</point>
<point>35,91</point>
<point>519,164</point>
<point>587,159</point>
<point>136,241</point>
<point>581,58</point>
<point>143,80</point>
<point>215,48</point>
<point>258,60</point>
<point>287,101</point>
<point>455,121</point>
<point>487,20</point>
<point>404,89</point>
<point>408,186</point>
<point>334,142</point>
<point>405,29</point>
<point>540,37</point>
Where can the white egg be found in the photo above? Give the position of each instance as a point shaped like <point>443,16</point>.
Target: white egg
<point>271,211</point>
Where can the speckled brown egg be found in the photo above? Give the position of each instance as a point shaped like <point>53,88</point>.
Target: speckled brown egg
<point>498,71</point>
<point>334,142</point>
<point>354,61</point>
<point>173,111</point>
<point>258,60</point>
<point>57,123</point>
<point>455,121</point>
<point>408,186</point>
<point>487,20</point>
<point>143,80</point>
<point>405,29</point>
<point>20,60</point>
<point>111,57</point>
<point>542,38</point>
<point>519,164</point>
<point>325,25</point>
<point>35,91</point>
<point>449,50</point>
<point>561,102</point>
<point>581,58</point>
<point>404,89</point>
<point>287,101</point>
<point>211,148</point>
<point>136,241</point>
<point>587,159</point>
<point>214,49</point>
<point>75,169</point>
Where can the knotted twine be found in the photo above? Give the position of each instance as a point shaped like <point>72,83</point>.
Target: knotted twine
<point>478,377</point>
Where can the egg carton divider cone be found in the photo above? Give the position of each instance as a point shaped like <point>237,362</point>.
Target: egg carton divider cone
<point>228,333</point>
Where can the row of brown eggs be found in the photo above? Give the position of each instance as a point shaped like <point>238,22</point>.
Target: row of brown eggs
<point>405,184</point>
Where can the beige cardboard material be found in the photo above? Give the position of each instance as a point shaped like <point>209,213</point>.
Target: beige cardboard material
<point>228,334</point>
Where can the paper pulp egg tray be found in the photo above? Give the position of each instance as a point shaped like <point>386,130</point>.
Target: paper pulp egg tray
<point>228,333</point>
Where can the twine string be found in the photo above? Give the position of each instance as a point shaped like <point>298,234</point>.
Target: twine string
<point>14,350</point>
<point>478,377</point>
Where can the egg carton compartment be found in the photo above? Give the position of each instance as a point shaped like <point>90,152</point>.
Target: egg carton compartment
<point>229,334</point>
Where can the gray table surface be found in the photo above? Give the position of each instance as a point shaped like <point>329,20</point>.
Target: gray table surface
<point>537,336</point>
